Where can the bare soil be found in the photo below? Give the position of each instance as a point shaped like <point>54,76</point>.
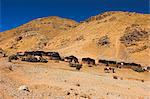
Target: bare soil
<point>56,80</point>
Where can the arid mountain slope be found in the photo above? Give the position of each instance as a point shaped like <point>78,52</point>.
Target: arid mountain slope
<point>35,34</point>
<point>120,36</point>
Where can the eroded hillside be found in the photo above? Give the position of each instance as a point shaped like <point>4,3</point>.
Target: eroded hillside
<point>35,34</point>
<point>120,36</point>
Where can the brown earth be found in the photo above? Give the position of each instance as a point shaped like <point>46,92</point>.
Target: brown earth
<point>120,36</point>
<point>55,80</point>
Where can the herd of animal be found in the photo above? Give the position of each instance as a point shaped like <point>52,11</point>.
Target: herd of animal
<point>42,56</point>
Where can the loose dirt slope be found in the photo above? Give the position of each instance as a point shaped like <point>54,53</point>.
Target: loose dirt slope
<point>35,34</point>
<point>112,35</point>
<point>120,36</point>
<point>59,81</point>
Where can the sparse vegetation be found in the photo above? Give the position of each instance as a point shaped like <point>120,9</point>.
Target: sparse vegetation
<point>97,39</point>
<point>112,18</point>
<point>80,38</point>
<point>103,41</point>
<point>133,35</point>
<point>99,17</point>
<point>42,42</point>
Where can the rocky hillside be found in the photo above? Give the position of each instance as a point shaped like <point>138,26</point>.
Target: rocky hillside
<point>120,36</point>
<point>35,34</point>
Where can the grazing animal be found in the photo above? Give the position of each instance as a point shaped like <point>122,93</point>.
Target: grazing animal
<point>78,66</point>
<point>106,70</point>
<point>113,70</point>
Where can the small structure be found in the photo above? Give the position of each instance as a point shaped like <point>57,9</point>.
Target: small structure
<point>128,65</point>
<point>71,59</point>
<point>31,58</point>
<point>12,57</point>
<point>148,68</point>
<point>88,61</point>
<point>50,55</point>
<point>39,56</point>
<point>119,64</point>
<point>20,55</point>
<point>108,62</point>
<point>27,53</point>
<point>39,53</point>
<point>53,55</point>
<point>43,60</point>
<point>34,53</point>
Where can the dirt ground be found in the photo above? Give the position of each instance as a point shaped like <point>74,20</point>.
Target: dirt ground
<point>57,80</point>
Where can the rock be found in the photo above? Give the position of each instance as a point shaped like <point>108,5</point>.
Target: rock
<point>78,85</point>
<point>23,88</point>
<point>68,93</point>
<point>2,53</point>
<point>18,38</point>
<point>85,96</point>
<point>115,77</point>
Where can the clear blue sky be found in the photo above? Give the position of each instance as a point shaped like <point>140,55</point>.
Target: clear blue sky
<point>18,12</point>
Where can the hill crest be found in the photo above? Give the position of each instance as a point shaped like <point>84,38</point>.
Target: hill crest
<point>104,36</point>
